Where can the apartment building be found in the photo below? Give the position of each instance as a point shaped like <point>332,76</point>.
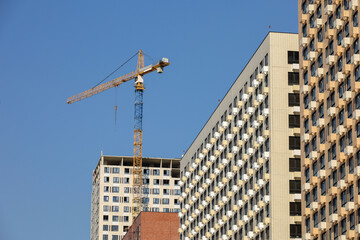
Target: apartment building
<point>330,113</point>
<point>111,198</point>
<point>240,178</point>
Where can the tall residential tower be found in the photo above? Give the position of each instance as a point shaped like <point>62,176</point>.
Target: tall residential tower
<point>112,193</point>
<point>330,114</point>
<point>240,178</point>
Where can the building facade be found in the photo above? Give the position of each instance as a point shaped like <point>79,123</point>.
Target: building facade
<point>330,113</point>
<point>154,226</point>
<point>111,198</point>
<point>240,178</point>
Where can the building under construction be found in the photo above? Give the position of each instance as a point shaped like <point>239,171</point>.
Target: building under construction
<point>111,198</point>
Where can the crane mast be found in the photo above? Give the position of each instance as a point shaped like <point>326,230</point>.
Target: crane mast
<point>137,161</point>
<point>137,203</point>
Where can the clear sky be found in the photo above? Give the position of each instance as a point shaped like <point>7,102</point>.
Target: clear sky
<point>50,50</point>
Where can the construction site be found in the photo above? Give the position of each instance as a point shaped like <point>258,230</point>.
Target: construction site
<point>229,121</point>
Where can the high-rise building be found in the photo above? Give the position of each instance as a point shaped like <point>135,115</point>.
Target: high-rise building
<point>111,198</point>
<point>330,113</point>
<point>240,178</point>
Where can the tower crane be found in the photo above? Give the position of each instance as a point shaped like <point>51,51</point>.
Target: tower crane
<point>137,75</point>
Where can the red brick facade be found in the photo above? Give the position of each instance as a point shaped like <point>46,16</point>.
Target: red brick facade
<point>154,226</point>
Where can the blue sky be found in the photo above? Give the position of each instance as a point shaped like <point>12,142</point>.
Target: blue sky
<point>51,50</point>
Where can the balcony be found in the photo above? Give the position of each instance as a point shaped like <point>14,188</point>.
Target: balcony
<point>333,164</point>
<point>342,184</point>
<point>349,206</point>
<point>304,41</point>
<point>333,218</point>
<point>314,206</point>
<point>322,226</point>
<point>304,89</point>
<point>322,173</point>
<point>260,77</point>
<point>340,130</point>
<point>331,111</point>
<point>265,69</point>
<point>330,60</point>
<point>354,4</point>
<point>339,76</point>
<point>348,150</point>
<point>329,9</point>
<point>347,96</point>
<point>319,22</point>
<point>346,42</point>
<point>339,23</point>
<point>306,187</point>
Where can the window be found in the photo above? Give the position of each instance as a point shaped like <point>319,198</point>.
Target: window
<point>106,170</point>
<point>357,74</point>
<point>293,57</point>
<point>295,186</point>
<point>293,78</point>
<point>106,179</point>
<point>156,172</point>
<point>106,188</point>
<point>106,198</point>
<point>126,209</point>
<point>156,191</point>
<point>165,201</point>
<point>295,208</point>
<point>294,99</point>
<point>156,201</point>
<point>115,189</point>
<point>294,121</point>
<point>115,199</point>
<point>294,142</point>
<point>166,172</point>
<point>115,218</point>
<point>323,188</point>
<point>116,170</point>
<point>166,191</point>
<point>356,19</point>
<point>295,230</point>
<point>166,182</point>
<point>106,217</point>
<point>115,208</point>
<point>304,30</point>
<point>126,180</point>
<point>115,228</point>
<point>126,190</point>
<point>105,237</point>
<point>115,237</point>
<point>115,180</point>
<point>321,85</point>
<point>356,46</point>
<point>126,199</point>
<point>156,181</point>
<point>294,165</point>
<point>127,170</point>
<point>320,35</point>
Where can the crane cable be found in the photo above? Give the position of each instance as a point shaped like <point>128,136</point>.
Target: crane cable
<point>116,69</point>
<point>115,87</point>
